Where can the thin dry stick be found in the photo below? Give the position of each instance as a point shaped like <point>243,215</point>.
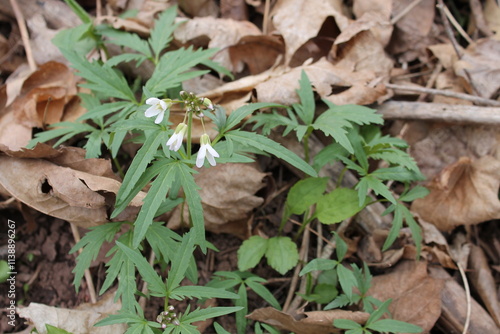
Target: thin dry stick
<point>302,257</point>
<point>467,298</point>
<point>447,28</point>
<point>457,26</point>
<point>467,97</point>
<point>267,9</point>
<point>88,278</point>
<point>405,11</point>
<point>24,34</point>
<point>142,300</point>
<point>98,8</point>
<point>313,231</point>
<point>431,81</point>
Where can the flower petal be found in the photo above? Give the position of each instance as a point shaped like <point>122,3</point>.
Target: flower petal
<point>211,159</point>
<point>152,101</point>
<point>159,118</point>
<point>212,151</point>
<point>201,156</point>
<point>152,111</point>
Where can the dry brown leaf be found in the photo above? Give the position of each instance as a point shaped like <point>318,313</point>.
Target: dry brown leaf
<point>479,65</point>
<point>79,195</point>
<point>416,297</point>
<point>215,33</point>
<point>481,278</point>
<point>289,19</point>
<point>491,11</point>
<point>380,11</point>
<point>199,7</point>
<point>319,322</point>
<point>414,31</point>
<point>130,24</point>
<point>76,321</point>
<point>464,193</point>
<point>228,197</point>
<point>258,53</point>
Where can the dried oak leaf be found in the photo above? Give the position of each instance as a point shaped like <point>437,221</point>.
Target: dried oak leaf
<point>464,193</point>
<point>319,322</point>
<point>63,184</point>
<point>416,297</point>
<point>77,321</point>
<point>228,197</point>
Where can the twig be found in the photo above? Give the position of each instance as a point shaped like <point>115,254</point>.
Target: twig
<point>449,113</point>
<point>302,257</point>
<point>405,11</point>
<point>447,28</point>
<point>477,12</point>
<point>431,81</point>
<point>24,34</point>
<point>142,299</point>
<point>267,9</point>
<point>467,97</point>
<point>88,277</point>
<point>313,231</point>
<point>457,26</point>
<point>467,297</point>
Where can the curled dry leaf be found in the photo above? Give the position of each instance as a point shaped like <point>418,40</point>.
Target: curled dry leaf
<point>481,278</point>
<point>380,12</point>
<point>57,183</point>
<point>416,297</point>
<point>464,193</point>
<point>77,321</point>
<point>320,322</point>
<point>228,197</point>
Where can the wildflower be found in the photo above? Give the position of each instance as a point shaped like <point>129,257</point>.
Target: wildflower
<point>157,108</point>
<point>206,150</point>
<point>207,103</point>
<point>175,142</point>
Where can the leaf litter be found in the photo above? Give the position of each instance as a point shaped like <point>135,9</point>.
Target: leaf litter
<point>352,55</point>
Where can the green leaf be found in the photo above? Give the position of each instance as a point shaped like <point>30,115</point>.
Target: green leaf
<point>272,120</point>
<point>329,154</point>
<point>91,244</point>
<point>100,78</point>
<point>153,200</point>
<point>394,326</point>
<point>127,39</point>
<point>241,321</point>
<point>397,223</point>
<point>219,329</point>
<point>305,193</point>
<point>251,252</point>
<point>338,302</point>
<point>371,182</point>
<point>414,193</point>
<point>340,248</point>
<point>307,105</point>
<point>207,313</point>
<point>122,317</point>
<point>105,109</point>
<point>267,145</point>
<point>54,330</point>
<point>163,241</point>
<point>318,264</point>
<point>263,292</point>
<point>340,204</point>
<point>141,160</point>
<point>193,200</point>
<point>79,11</point>
<point>347,280</point>
<point>161,34</point>
<point>346,324</point>
<point>397,173</point>
<point>65,129</point>
<point>126,58</point>
<point>282,254</point>
<point>196,291</point>
<point>180,262</point>
<point>379,312</point>
<point>415,229</point>
<point>242,112</point>
<point>148,274</point>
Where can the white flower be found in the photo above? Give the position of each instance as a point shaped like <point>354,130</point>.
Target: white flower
<point>206,150</point>
<point>175,142</point>
<point>157,108</point>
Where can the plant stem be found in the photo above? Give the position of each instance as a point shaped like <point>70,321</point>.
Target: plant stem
<point>306,147</point>
<point>190,125</point>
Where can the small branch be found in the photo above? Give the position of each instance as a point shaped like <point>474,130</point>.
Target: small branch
<point>431,81</point>
<point>467,298</point>
<point>293,285</point>
<point>88,277</point>
<point>467,97</point>
<point>447,28</point>
<point>24,34</point>
<point>457,26</point>
<point>265,24</point>
<point>405,11</point>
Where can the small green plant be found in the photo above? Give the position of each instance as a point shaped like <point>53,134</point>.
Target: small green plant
<point>237,281</point>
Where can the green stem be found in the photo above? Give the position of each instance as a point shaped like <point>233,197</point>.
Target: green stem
<point>118,167</point>
<point>306,146</point>
<point>341,177</point>
<point>190,124</point>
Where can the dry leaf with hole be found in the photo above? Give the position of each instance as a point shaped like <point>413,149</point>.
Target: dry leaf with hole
<point>76,321</point>
<point>54,188</point>
<point>416,297</point>
<point>228,198</point>
<point>464,193</point>
<point>318,322</point>
<point>257,53</point>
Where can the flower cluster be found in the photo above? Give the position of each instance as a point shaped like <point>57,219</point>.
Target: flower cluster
<point>168,317</point>
<point>194,105</point>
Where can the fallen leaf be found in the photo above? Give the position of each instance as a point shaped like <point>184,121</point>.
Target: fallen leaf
<point>381,13</point>
<point>464,193</point>
<point>228,198</point>
<point>76,321</point>
<point>481,278</point>
<point>199,7</point>
<point>491,11</point>
<point>416,297</point>
<point>320,322</point>
<point>67,193</point>
<point>258,53</point>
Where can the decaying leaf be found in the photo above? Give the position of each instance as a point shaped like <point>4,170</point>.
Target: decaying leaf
<point>464,193</point>
<point>416,297</point>
<point>320,322</point>
<point>63,184</point>
<point>77,321</point>
<point>228,197</point>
